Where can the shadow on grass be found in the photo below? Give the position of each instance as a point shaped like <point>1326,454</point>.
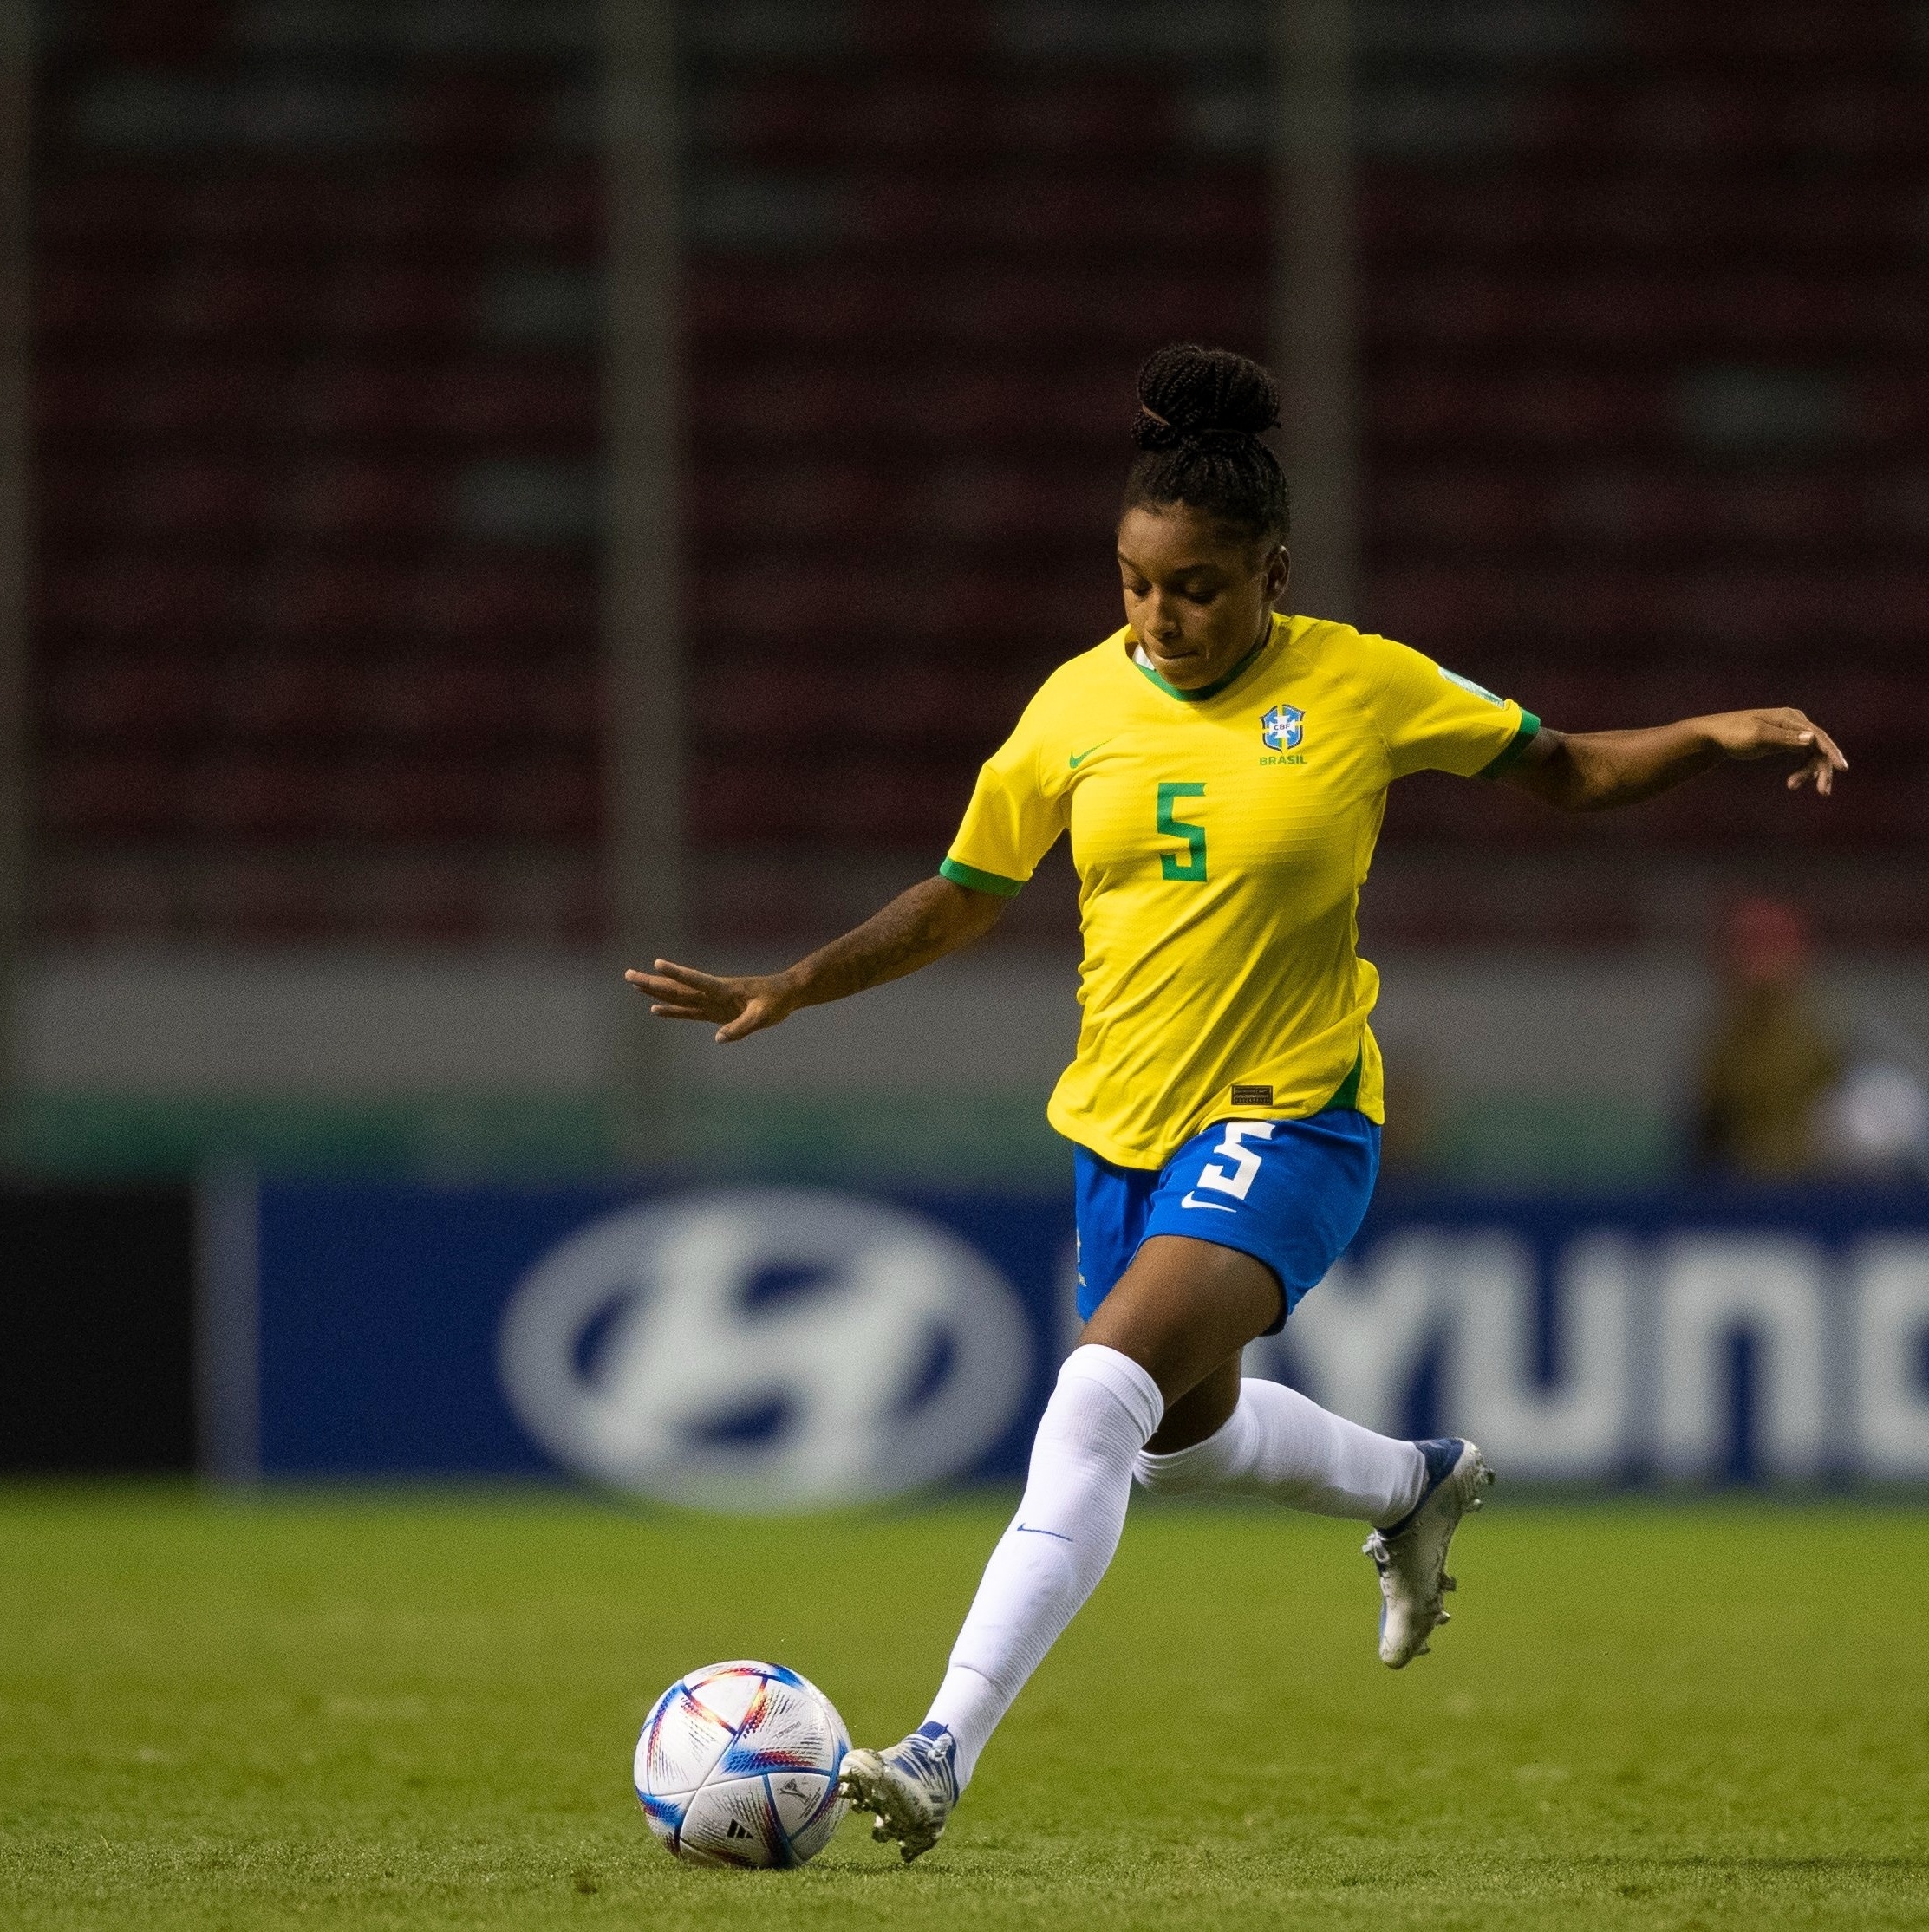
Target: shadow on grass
<point>1837,1864</point>
<point>1836,1861</point>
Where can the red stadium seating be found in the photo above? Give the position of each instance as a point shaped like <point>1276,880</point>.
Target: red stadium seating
<point>264,366</point>
<point>1640,393</point>
<point>1643,409</point>
<point>127,698</point>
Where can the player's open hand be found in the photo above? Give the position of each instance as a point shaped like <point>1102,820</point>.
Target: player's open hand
<point>1760,734</point>
<point>743,1006</point>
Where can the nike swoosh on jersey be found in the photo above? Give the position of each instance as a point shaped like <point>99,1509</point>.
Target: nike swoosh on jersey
<point>1075,759</point>
<point>1217,1206</point>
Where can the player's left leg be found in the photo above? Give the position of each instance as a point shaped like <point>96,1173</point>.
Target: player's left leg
<point>1276,1443</point>
<point>1290,1195</point>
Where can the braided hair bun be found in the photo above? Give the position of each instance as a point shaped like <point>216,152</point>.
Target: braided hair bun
<point>1201,414</point>
<point>1186,391</point>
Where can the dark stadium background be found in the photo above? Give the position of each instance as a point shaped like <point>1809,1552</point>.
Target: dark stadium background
<point>490,493</point>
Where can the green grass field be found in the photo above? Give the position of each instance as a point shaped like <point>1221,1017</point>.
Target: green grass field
<point>416,1711</point>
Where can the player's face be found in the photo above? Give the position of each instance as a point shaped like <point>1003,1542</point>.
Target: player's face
<point>1197,595</point>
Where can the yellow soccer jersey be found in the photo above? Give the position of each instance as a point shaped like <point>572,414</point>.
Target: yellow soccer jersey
<point>1221,837</point>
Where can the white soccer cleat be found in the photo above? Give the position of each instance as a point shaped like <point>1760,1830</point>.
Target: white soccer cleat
<point>909,1789</point>
<point>1412,1555</point>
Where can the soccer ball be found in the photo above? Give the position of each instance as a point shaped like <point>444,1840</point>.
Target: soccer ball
<point>737,1765</point>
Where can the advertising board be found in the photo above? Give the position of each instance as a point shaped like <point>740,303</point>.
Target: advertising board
<point>767,1348</point>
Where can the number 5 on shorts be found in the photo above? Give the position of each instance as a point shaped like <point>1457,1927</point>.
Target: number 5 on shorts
<point>1236,1180</point>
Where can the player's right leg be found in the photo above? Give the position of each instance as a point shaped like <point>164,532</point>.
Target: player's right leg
<point>1102,1413</point>
<point>1181,1310</point>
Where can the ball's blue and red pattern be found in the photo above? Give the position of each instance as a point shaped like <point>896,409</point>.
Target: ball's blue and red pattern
<point>737,1765</point>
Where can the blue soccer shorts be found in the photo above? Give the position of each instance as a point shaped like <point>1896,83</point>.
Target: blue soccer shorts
<point>1290,1193</point>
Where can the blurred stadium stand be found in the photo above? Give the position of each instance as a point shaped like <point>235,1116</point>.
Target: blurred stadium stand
<point>929,247</point>
<point>318,428</point>
<point>1644,294</point>
<point>1644,298</point>
<point>1642,303</point>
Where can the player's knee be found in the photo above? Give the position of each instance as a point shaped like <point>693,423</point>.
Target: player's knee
<point>1100,1389</point>
<point>1185,1472</point>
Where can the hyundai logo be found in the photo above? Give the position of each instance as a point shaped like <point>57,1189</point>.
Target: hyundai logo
<point>765,1349</point>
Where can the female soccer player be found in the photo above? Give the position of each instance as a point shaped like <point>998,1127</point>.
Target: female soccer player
<point>1223,771</point>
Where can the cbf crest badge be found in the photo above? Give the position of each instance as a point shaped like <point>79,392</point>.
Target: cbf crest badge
<point>1282,727</point>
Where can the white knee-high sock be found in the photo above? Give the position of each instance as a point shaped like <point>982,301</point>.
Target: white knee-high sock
<point>1102,1413</point>
<point>1278,1443</point>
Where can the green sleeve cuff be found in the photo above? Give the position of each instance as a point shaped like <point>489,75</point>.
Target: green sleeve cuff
<point>970,876</point>
<point>1516,748</point>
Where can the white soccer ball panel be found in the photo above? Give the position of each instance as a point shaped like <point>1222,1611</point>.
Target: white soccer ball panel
<point>805,1844</point>
<point>785,1729</point>
<point>726,1690</point>
<point>680,1745</point>
<point>798,1795</point>
<point>732,1821</point>
<point>808,1822</point>
<point>833,1723</point>
<point>664,1817</point>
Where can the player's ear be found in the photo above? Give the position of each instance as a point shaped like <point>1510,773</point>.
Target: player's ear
<point>1279,573</point>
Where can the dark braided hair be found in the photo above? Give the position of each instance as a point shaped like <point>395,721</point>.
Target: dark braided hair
<point>1201,414</point>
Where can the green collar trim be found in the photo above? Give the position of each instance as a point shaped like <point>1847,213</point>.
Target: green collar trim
<point>1212,690</point>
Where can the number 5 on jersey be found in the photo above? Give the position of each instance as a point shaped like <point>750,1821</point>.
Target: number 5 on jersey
<point>1192,867</point>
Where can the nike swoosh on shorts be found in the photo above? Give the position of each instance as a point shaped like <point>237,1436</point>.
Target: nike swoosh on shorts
<point>1217,1206</point>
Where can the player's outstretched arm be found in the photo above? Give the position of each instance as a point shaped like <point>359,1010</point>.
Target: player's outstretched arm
<point>1591,771</point>
<point>934,918</point>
